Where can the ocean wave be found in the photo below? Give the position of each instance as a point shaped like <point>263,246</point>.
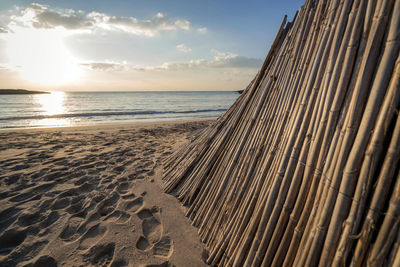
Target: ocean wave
<point>108,114</point>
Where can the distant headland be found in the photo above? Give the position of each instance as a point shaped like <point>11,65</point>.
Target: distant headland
<point>20,92</point>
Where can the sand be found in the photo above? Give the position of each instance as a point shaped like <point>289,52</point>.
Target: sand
<point>91,196</point>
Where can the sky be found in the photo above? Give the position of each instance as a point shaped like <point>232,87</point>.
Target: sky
<point>121,45</point>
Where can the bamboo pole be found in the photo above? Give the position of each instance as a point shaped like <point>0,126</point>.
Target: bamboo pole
<point>272,181</point>
<point>353,120</point>
<point>350,174</point>
<point>373,152</point>
<point>389,228</point>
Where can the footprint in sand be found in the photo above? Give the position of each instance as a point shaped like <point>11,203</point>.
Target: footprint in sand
<point>144,213</point>
<point>152,229</point>
<point>21,197</point>
<point>60,203</point>
<point>105,180</point>
<point>161,246</point>
<point>76,206</point>
<point>6,221</point>
<point>45,261</point>
<point>118,160</point>
<point>11,239</point>
<point>85,187</point>
<point>118,169</point>
<point>91,236</point>
<point>151,226</point>
<point>28,218</point>
<point>26,251</point>
<point>106,206</point>
<point>142,243</point>
<point>122,179</point>
<point>70,231</point>
<point>136,176</point>
<point>164,247</point>
<point>123,187</point>
<point>131,205</point>
<point>50,218</point>
<point>111,186</point>
<point>44,187</point>
<point>101,254</point>
<point>118,217</point>
<point>128,196</point>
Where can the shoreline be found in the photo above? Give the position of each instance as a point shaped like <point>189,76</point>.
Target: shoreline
<point>91,195</point>
<point>108,125</point>
<point>94,108</point>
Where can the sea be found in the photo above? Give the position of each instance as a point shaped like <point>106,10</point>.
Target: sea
<point>59,109</point>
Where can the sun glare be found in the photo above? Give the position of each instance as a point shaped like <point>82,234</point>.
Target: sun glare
<point>52,103</point>
<point>41,56</point>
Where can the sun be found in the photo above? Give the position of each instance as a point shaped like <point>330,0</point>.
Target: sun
<point>41,56</point>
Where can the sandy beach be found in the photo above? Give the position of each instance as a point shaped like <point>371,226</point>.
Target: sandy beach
<point>92,196</point>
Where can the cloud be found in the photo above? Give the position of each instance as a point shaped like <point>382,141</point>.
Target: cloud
<point>132,25</point>
<point>110,66</point>
<point>220,61</point>
<point>202,30</point>
<point>42,17</point>
<point>239,62</point>
<point>105,66</point>
<point>52,19</point>
<point>231,60</point>
<point>3,30</point>
<point>183,48</point>
<point>183,24</point>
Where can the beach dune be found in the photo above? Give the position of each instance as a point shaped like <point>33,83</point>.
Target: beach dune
<point>92,196</point>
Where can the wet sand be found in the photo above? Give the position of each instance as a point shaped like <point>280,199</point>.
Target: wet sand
<point>91,196</point>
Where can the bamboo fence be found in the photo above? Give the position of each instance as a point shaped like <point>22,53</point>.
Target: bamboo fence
<point>303,169</point>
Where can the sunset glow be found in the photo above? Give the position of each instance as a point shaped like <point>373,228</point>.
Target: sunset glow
<point>41,56</point>
<point>51,104</point>
<point>135,45</point>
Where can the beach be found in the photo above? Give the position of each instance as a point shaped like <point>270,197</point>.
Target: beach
<point>92,195</point>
